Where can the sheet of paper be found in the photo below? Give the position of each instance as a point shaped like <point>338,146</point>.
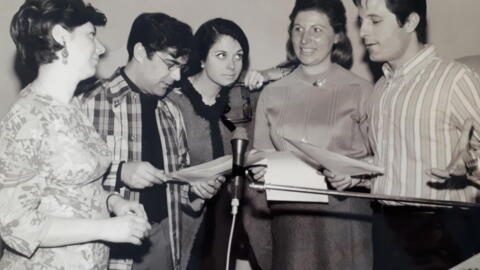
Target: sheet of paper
<point>470,264</point>
<point>204,171</point>
<point>334,162</point>
<point>211,169</point>
<point>284,168</point>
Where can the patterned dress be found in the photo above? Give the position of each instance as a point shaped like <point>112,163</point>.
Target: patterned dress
<point>51,160</point>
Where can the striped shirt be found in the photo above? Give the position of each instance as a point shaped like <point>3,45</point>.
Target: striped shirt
<point>115,111</point>
<point>415,116</point>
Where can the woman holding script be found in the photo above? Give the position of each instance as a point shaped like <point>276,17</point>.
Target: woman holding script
<point>321,103</point>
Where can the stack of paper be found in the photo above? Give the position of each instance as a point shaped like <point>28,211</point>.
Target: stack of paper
<point>284,168</point>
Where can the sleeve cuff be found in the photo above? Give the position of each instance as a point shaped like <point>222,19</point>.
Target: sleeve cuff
<point>118,183</point>
<point>28,242</point>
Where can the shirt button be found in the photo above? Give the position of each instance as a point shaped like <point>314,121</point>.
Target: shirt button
<point>116,103</point>
<point>133,137</point>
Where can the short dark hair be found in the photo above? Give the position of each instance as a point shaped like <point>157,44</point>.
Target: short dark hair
<point>403,8</point>
<point>32,25</point>
<point>335,11</point>
<point>158,32</point>
<point>208,33</point>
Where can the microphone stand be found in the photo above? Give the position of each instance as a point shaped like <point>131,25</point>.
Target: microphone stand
<point>239,146</point>
<point>266,186</point>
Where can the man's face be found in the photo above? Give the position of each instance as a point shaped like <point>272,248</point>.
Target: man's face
<point>384,39</point>
<point>161,71</point>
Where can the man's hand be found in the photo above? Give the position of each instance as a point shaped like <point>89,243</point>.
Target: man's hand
<point>207,189</point>
<point>140,174</point>
<point>463,162</point>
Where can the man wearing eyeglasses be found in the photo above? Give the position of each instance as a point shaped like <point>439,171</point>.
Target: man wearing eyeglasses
<point>146,135</point>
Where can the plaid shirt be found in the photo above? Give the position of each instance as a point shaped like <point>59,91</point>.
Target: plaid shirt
<point>115,111</point>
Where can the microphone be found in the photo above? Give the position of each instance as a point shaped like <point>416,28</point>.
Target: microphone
<point>239,147</point>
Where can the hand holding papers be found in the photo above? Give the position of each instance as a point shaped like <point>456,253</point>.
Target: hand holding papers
<point>204,171</point>
<point>336,163</point>
<point>284,168</point>
<point>211,169</point>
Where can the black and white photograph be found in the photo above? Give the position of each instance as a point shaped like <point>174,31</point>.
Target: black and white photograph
<point>240,135</point>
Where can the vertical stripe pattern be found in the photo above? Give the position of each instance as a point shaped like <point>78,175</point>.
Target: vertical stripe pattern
<point>415,117</point>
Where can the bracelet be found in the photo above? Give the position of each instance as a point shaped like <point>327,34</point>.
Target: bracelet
<point>108,198</point>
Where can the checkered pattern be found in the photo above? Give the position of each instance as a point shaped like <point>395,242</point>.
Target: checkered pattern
<point>115,111</point>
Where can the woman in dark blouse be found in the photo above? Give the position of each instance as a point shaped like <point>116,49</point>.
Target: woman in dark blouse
<point>205,97</point>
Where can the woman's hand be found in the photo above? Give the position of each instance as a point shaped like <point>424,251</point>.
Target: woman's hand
<point>340,182</point>
<point>126,229</point>
<point>122,207</point>
<point>254,79</point>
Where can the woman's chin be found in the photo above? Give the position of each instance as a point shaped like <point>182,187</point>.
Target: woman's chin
<point>88,74</point>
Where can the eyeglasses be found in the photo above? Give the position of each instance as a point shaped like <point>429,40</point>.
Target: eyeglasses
<point>172,65</point>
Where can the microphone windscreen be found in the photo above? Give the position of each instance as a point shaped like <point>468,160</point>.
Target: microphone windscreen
<point>240,133</point>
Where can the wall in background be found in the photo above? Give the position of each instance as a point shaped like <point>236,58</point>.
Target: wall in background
<point>453,29</point>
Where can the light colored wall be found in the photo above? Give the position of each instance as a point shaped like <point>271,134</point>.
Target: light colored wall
<point>454,28</point>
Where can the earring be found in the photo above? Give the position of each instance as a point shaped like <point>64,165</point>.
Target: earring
<point>202,65</point>
<point>64,54</point>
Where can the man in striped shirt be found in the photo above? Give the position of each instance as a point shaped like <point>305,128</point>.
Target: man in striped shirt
<point>146,135</point>
<point>416,115</point>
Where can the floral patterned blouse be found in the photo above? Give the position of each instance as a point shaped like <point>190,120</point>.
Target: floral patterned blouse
<point>51,163</point>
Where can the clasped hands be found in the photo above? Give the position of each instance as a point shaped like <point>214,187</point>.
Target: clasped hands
<point>130,223</point>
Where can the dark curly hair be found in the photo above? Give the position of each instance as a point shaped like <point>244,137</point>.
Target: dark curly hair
<point>32,25</point>
<point>157,32</point>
